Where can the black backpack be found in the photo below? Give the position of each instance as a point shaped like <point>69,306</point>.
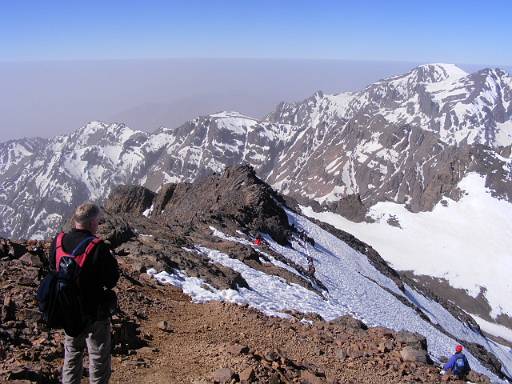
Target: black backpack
<point>59,292</point>
<point>460,367</point>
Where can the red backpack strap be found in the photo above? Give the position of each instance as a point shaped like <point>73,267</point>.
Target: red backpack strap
<point>80,259</point>
<point>59,251</point>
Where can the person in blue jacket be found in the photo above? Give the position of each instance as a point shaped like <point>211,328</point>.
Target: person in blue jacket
<point>458,364</point>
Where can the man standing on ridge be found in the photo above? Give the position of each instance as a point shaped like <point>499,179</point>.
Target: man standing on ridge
<point>458,364</point>
<point>97,274</point>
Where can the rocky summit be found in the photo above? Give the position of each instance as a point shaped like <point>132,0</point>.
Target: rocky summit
<point>202,302</point>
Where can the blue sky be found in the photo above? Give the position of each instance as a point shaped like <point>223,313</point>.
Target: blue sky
<point>416,31</point>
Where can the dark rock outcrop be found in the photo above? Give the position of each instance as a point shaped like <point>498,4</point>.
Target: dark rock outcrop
<point>237,195</point>
<point>350,207</point>
<point>129,199</point>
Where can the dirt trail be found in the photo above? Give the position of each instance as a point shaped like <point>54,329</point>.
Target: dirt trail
<point>206,337</point>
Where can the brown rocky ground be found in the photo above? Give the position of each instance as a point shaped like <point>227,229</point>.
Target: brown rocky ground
<point>161,337</point>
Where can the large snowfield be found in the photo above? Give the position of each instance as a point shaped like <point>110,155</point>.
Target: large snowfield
<point>468,242</point>
<point>354,287</point>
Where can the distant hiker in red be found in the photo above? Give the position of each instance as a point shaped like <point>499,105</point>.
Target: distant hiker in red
<point>257,241</point>
<point>87,272</point>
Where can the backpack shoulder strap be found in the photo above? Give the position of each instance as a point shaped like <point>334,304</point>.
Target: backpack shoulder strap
<point>58,241</point>
<point>59,250</point>
<point>93,241</point>
<point>81,244</point>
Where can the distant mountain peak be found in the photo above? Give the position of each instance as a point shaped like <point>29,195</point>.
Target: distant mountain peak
<point>228,114</point>
<point>442,71</point>
<point>426,74</point>
<point>98,133</point>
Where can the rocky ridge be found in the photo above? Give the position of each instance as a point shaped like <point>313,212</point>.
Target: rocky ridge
<point>148,230</point>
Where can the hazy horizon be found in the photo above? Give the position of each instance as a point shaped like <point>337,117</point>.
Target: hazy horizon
<point>66,63</point>
<point>47,98</point>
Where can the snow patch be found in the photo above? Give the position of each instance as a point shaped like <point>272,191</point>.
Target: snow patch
<point>148,211</point>
<point>196,288</point>
<point>504,134</point>
<point>494,329</point>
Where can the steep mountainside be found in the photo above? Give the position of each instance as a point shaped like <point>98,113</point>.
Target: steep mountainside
<point>407,139</point>
<point>200,237</point>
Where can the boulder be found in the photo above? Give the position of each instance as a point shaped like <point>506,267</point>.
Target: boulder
<point>164,326</point>
<point>223,375</point>
<point>26,374</point>
<point>354,352</point>
<point>246,376</point>
<point>347,321</point>
<point>8,309</point>
<point>411,339</point>
<point>386,346</point>
<point>341,354</point>
<point>309,378</point>
<point>238,349</point>
<point>411,354</point>
<point>271,356</point>
<point>31,260</point>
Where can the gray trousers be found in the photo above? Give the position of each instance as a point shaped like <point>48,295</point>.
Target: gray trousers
<point>97,337</point>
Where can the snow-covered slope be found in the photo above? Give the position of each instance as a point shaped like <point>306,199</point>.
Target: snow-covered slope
<point>467,242</point>
<point>352,285</point>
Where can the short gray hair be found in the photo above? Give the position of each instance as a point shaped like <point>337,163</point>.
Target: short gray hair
<point>85,213</point>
